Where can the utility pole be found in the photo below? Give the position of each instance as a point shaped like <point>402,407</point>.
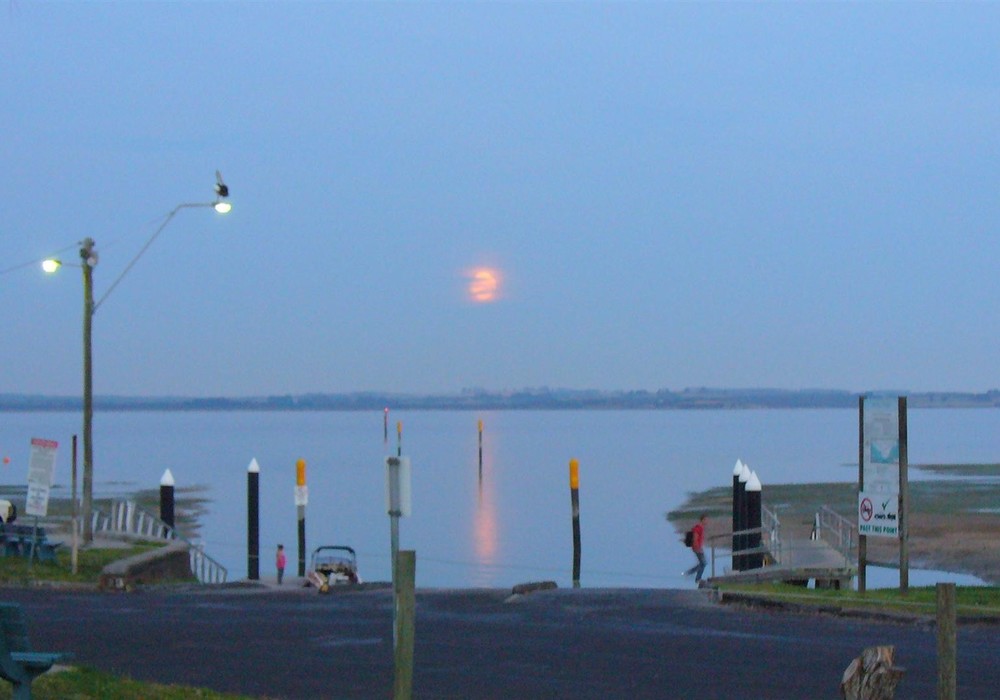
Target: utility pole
<point>88,259</point>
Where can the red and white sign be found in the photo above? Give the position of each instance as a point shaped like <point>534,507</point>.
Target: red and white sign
<point>41,470</point>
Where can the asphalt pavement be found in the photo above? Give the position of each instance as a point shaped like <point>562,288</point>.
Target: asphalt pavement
<point>292,643</point>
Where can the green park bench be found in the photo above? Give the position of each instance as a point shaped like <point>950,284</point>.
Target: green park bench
<point>16,540</point>
<point>18,664</point>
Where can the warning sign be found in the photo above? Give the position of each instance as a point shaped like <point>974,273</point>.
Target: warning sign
<point>41,470</point>
<point>878,514</point>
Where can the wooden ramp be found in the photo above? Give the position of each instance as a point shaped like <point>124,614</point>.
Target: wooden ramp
<point>800,561</point>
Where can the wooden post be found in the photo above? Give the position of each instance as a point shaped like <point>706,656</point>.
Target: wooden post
<point>872,676</point>
<point>399,438</point>
<point>946,641</point>
<point>904,504</point>
<point>253,521</point>
<point>74,553</point>
<point>385,426</point>
<point>403,633</point>
<point>574,492</point>
<point>862,539</point>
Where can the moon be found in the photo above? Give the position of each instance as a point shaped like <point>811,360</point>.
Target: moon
<point>484,285</point>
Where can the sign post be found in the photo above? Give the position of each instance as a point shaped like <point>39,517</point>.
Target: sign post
<point>41,470</point>
<point>882,479</point>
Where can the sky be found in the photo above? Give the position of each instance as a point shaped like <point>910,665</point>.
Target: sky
<point>429,197</point>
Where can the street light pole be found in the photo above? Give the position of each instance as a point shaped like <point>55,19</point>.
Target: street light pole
<point>88,260</point>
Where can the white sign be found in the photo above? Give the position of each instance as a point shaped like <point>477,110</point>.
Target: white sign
<point>41,471</point>
<point>881,445</point>
<point>397,486</point>
<point>301,495</point>
<point>878,514</point>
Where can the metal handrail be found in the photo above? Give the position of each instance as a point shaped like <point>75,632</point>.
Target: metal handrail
<point>127,518</point>
<point>828,520</point>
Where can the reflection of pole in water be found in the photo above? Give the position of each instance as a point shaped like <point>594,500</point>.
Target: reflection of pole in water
<point>485,533</point>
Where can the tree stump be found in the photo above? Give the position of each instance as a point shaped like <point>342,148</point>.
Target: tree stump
<point>872,675</point>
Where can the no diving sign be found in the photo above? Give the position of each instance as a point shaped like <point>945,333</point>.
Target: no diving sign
<point>878,514</point>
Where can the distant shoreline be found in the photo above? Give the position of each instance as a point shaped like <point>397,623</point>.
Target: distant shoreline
<point>525,399</point>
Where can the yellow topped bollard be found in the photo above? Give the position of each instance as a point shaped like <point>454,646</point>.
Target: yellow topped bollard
<point>574,492</point>
<point>301,499</point>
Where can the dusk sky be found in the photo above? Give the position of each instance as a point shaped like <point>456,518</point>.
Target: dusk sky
<point>434,196</point>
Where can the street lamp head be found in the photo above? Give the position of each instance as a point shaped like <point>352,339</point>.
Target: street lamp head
<point>51,265</point>
<point>222,190</point>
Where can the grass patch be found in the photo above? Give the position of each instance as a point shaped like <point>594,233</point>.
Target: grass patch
<point>90,562</point>
<point>970,601</point>
<point>89,684</point>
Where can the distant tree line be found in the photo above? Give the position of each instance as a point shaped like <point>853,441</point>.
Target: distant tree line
<point>526,399</point>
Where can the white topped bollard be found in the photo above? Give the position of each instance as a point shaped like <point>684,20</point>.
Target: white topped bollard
<point>737,497</point>
<point>253,520</point>
<point>167,498</point>
<point>755,540</point>
<point>739,560</point>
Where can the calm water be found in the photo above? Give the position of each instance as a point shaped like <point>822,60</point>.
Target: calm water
<point>511,526</point>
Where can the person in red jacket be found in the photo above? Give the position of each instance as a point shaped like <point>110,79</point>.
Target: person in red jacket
<point>280,562</point>
<point>698,547</point>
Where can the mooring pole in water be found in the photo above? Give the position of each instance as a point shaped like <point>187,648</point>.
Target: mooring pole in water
<point>480,451</point>
<point>385,426</point>
<point>301,499</point>
<point>574,494</point>
<point>167,498</point>
<point>253,520</point>
<point>399,438</point>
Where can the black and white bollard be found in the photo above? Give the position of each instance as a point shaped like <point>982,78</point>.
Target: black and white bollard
<point>737,496</point>
<point>253,521</point>
<point>740,560</point>
<point>755,540</point>
<point>167,498</point>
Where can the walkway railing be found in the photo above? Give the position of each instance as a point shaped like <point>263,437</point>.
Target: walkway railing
<point>836,530</point>
<point>127,518</point>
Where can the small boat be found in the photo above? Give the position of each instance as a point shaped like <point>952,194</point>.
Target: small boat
<point>332,565</point>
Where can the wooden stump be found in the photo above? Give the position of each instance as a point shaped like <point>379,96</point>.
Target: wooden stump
<point>872,675</point>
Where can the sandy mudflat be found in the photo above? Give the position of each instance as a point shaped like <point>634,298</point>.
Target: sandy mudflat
<point>953,526</point>
<point>961,542</point>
